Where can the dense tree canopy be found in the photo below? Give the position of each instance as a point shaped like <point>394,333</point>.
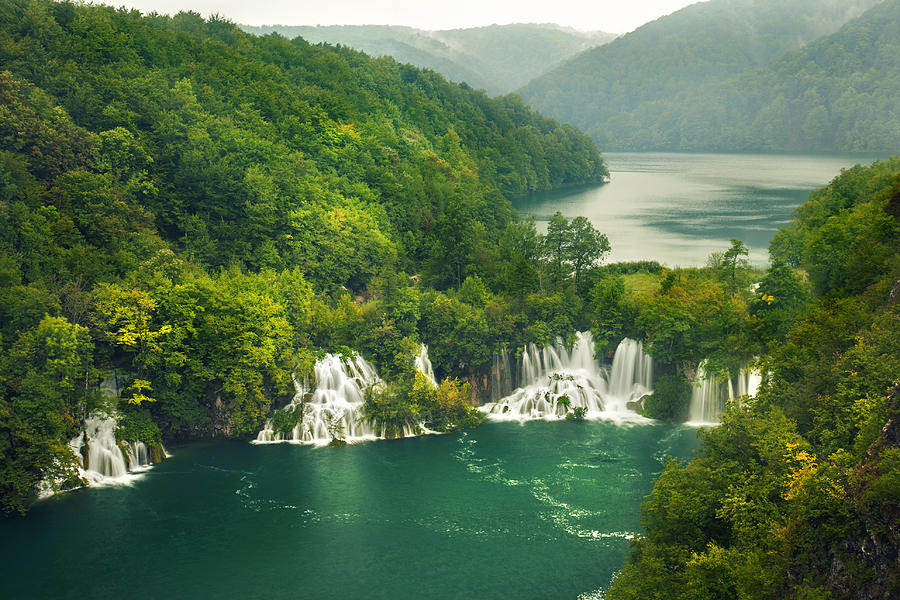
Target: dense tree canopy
<point>495,58</point>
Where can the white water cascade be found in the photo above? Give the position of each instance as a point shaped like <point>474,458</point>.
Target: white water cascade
<point>423,365</point>
<point>336,402</point>
<point>138,456</point>
<point>710,394</point>
<point>337,398</point>
<point>108,462</point>
<point>551,373</point>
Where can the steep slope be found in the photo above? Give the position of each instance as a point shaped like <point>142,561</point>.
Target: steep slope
<point>496,58</point>
<point>226,119</point>
<point>705,42</point>
<point>796,494</point>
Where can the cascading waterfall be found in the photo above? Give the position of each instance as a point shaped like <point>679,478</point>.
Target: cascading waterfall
<point>747,383</point>
<point>104,457</point>
<point>336,400</point>
<point>548,374</point>
<point>138,456</point>
<point>631,375</point>
<point>707,403</point>
<point>107,461</point>
<point>710,393</point>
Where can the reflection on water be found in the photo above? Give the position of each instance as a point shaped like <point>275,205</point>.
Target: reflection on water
<point>678,208</point>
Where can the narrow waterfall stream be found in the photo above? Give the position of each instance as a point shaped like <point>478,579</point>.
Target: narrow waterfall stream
<point>104,460</point>
<point>710,393</point>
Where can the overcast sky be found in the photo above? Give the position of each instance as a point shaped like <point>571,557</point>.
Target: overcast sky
<point>616,16</point>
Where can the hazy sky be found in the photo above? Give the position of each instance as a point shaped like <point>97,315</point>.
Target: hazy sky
<point>617,16</point>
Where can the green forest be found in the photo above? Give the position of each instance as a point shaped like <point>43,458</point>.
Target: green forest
<point>205,213</point>
<point>795,494</point>
<point>204,209</point>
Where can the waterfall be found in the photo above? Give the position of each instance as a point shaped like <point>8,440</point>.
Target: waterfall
<point>105,459</point>
<point>138,456</point>
<point>501,375</point>
<point>707,401</point>
<point>548,374</point>
<point>632,371</point>
<point>423,364</point>
<point>711,393</point>
<point>336,400</point>
<point>748,381</point>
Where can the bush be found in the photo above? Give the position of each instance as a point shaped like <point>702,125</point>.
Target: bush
<point>669,400</point>
<point>578,413</point>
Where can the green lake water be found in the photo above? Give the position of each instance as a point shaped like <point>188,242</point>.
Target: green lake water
<point>677,208</point>
<point>508,510</point>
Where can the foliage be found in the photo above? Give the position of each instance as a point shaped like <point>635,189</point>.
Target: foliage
<point>574,246</point>
<point>136,425</point>
<point>577,414</point>
<point>669,400</point>
<point>496,58</point>
<point>399,409</point>
<point>214,210</point>
<point>285,420</point>
<point>391,413</point>
<point>43,389</point>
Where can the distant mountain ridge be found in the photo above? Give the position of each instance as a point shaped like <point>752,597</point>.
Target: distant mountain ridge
<point>614,92</point>
<point>838,93</point>
<point>495,58</point>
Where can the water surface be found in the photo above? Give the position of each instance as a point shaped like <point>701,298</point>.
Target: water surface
<point>537,510</point>
<point>677,208</point>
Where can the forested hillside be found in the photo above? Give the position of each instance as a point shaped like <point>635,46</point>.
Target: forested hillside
<point>496,58</point>
<point>837,93</point>
<point>633,92</point>
<point>202,211</point>
<point>797,493</point>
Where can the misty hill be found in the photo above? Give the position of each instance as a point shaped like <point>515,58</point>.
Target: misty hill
<point>600,89</point>
<point>840,92</point>
<point>496,58</point>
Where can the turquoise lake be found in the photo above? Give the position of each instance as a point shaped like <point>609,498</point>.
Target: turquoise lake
<point>507,510</point>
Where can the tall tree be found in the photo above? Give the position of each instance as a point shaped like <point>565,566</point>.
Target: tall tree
<point>585,246</point>
<point>556,247</point>
<point>733,263</point>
